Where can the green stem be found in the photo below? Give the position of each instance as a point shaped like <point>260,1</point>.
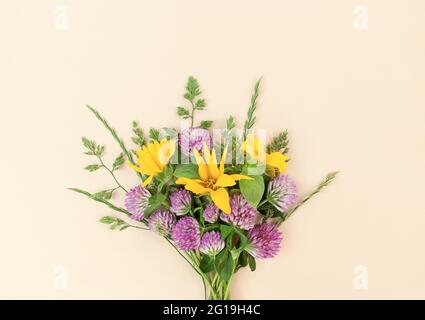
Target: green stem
<point>115,136</point>
<point>112,174</point>
<point>203,275</point>
<point>193,263</point>
<point>110,205</point>
<point>262,202</point>
<point>324,183</point>
<point>227,290</point>
<point>137,227</point>
<point>227,286</point>
<point>192,115</point>
<point>215,279</point>
<point>122,210</point>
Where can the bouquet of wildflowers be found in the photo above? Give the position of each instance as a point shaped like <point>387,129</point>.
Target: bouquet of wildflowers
<point>217,197</point>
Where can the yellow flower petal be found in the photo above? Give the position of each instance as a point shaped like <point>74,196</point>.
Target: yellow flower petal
<point>166,151</point>
<point>206,151</point>
<point>196,187</point>
<point>153,158</point>
<point>181,181</point>
<point>225,181</point>
<point>138,169</point>
<point>202,167</point>
<point>223,159</point>
<point>151,153</point>
<point>148,162</point>
<point>172,149</point>
<point>254,147</point>
<point>277,160</point>
<point>147,181</point>
<point>221,199</point>
<point>215,173</point>
<point>237,177</point>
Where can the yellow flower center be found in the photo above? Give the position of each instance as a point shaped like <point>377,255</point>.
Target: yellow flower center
<point>210,183</point>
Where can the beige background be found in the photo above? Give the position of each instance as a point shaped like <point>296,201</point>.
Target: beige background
<point>353,100</point>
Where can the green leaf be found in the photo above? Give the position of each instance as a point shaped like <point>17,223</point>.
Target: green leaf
<point>160,186</point>
<point>250,121</point>
<point>255,169</point>
<point>279,143</point>
<point>207,264</point>
<point>230,123</point>
<point>168,173</point>
<point>252,263</point>
<point>89,144</point>
<point>242,237</point>
<point>252,190</point>
<point>117,224</point>
<point>118,162</point>
<point>226,270</point>
<point>154,134</point>
<point>243,259</point>
<point>201,215</point>
<point>183,112</point>
<point>229,241</point>
<point>105,194</point>
<point>225,231</point>
<point>192,95</point>
<point>92,147</point>
<point>206,124</point>
<point>100,150</point>
<point>220,260</point>
<point>107,219</point>
<point>189,171</point>
<point>139,136</point>
<point>93,167</point>
<point>114,222</point>
<point>192,89</point>
<point>155,201</point>
<point>200,104</point>
<point>165,175</point>
<point>235,254</point>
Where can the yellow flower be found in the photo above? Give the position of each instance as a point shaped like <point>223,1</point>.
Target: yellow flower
<point>212,180</point>
<point>153,158</point>
<point>257,151</point>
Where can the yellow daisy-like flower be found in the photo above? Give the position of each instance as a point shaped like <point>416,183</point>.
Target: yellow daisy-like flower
<point>213,180</point>
<point>257,151</point>
<point>153,158</point>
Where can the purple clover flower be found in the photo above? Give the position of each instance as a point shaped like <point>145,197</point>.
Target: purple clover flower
<point>194,138</point>
<point>162,222</point>
<point>211,243</point>
<point>282,192</point>
<point>181,201</point>
<point>264,241</point>
<point>242,214</point>
<point>136,201</point>
<point>186,234</point>
<point>211,213</point>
